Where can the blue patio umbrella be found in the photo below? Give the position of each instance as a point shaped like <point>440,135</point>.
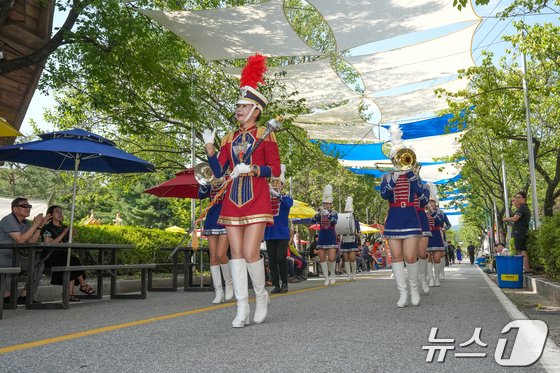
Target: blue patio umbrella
<point>76,150</point>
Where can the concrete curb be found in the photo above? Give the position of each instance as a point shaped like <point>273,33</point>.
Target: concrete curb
<point>543,287</point>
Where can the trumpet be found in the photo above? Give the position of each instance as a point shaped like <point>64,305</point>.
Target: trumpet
<point>405,159</point>
<point>204,175</point>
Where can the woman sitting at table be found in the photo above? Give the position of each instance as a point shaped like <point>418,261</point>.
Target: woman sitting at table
<point>55,232</point>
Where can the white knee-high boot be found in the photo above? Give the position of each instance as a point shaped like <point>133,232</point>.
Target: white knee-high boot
<point>400,279</point>
<point>353,267</point>
<point>332,270</point>
<point>442,270</point>
<point>217,281</point>
<point>430,273</point>
<point>239,276</point>
<point>256,271</point>
<point>437,269</point>
<point>412,269</point>
<point>325,270</point>
<point>226,271</point>
<point>422,273</point>
<point>348,271</point>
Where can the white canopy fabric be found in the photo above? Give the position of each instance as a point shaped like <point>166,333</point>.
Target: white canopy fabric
<point>235,32</point>
<point>360,22</point>
<point>340,132</point>
<point>432,59</point>
<point>395,108</point>
<point>316,81</point>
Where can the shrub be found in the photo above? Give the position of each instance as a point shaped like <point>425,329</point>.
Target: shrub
<point>146,241</point>
<point>544,248</point>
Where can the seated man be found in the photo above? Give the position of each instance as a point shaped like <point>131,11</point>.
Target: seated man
<point>15,228</point>
<point>499,249</point>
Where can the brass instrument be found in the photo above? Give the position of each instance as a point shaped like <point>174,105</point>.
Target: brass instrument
<point>405,159</point>
<point>204,175</point>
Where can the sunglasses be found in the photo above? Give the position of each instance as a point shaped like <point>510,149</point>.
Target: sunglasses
<point>25,206</point>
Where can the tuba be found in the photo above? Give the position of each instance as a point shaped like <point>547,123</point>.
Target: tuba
<point>204,175</point>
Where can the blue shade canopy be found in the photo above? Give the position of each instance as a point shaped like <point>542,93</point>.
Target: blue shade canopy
<point>60,150</point>
<point>427,127</point>
<point>352,152</point>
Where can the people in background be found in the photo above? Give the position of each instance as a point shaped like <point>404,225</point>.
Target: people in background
<point>520,231</point>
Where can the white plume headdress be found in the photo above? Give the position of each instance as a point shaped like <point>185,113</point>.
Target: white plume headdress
<point>433,191</point>
<point>349,205</point>
<point>327,194</point>
<point>396,139</point>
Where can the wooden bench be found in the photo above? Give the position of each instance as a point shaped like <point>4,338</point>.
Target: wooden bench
<point>3,272</point>
<point>106,267</point>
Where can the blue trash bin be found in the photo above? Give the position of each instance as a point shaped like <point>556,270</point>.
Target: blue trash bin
<point>510,271</point>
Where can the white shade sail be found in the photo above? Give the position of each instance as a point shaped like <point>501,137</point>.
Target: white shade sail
<point>432,59</point>
<point>394,108</point>
<point>341,132</point>
<point>360,22</point>
<point>235,32</point>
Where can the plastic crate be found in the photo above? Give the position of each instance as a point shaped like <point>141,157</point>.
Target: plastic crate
<point>510,271</point>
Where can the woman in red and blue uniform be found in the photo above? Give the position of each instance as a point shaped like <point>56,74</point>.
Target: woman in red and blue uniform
<point>217,241</point>
<point>402,225</point>
<point>420,204</point>
<point>327,243</point>
<point>246,208</point>
<point>436,245</point>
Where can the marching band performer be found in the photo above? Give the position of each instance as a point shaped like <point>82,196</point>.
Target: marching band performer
<point>246,209</point>
<point>402,225</point>
<point>445,226</point>
<point>420,203</point>
<point>349,243</point>
<point>327,245</point>
<point>436,246</point>
<point>277,236</point>
<point>217,242</point>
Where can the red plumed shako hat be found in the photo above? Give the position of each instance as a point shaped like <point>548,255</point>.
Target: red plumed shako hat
<point>251,76</point>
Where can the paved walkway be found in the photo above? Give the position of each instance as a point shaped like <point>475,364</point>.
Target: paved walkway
<point>347,327</point>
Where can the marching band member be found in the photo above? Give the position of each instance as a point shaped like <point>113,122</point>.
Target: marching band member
<point>445,226</point>
<point>402,225</point>
<point>436,246</point>
<point>217,242</point>
<point>349,244</point>
<point>327,245</point>
<point>420,203</point>
<point>246,209</point>
<point>277,236</point>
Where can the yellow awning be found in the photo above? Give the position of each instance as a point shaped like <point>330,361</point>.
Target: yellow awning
<point>6,130</point>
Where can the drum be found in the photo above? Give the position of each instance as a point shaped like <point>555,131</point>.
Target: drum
<point>346,224</point>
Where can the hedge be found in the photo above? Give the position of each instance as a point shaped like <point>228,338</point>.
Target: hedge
<point>544,248</point>
<point>146,241</point>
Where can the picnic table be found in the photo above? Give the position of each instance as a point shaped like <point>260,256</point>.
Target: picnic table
<point>33,276</point>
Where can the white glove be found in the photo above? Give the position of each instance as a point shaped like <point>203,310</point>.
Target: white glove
<point>395,175</point>
<point>240,169</point>
<point>274,192</point>
<point>324,212</point>
<point>208,136</point>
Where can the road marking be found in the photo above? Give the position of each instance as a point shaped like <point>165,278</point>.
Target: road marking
<point>85,333</point>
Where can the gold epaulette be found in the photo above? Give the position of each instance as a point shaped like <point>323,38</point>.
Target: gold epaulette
<point>228,138</point>
<point>260,133</point>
